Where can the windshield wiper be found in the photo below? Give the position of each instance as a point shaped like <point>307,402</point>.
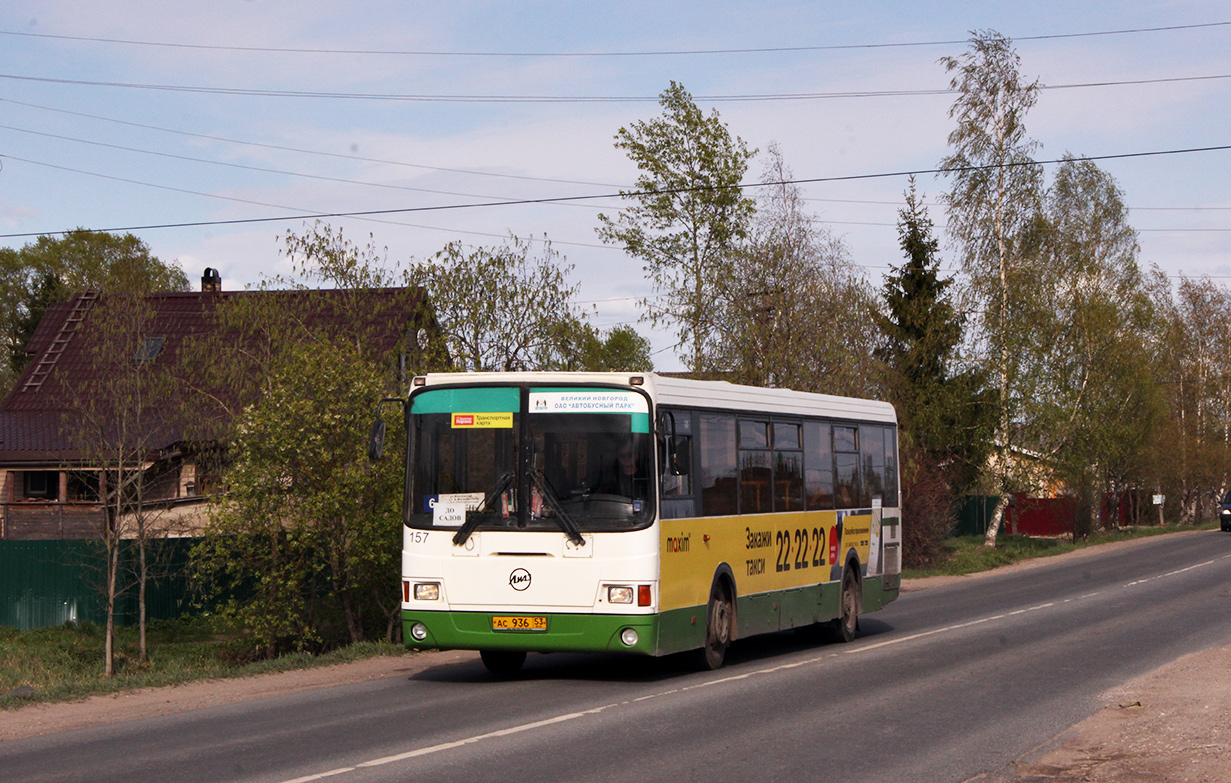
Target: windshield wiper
<point>562,518</point>
<point>473,519</point>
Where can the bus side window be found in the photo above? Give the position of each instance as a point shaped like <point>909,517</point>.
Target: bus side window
<point>872,451</point>
<point>677,500</point>
<point>677,479</point>
<point>846,467</point>
<point>755,472</point>
<point>788,467</point>
<point>818,466</point>
<point>719,471</point>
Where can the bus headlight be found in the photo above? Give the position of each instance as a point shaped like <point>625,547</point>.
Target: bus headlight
<point>619,594</point>
<point>418,632</point>
<point>628,636</point>
<point>427,591</point>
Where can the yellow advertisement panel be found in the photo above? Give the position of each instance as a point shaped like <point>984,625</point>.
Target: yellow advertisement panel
<point>765,552</point>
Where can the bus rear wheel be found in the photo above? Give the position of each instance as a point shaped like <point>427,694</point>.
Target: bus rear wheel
<point>718,616</point>
<point>503,663</point>
<point>844,627</point>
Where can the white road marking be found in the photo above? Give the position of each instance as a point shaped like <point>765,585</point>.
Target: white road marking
<point>863,648</point>
<point>455,744</point>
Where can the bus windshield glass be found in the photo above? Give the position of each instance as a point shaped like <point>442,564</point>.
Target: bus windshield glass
<point>578,454</point>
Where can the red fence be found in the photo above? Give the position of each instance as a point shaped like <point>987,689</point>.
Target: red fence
<point>1040,516</point>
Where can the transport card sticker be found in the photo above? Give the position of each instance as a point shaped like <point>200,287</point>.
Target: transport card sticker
<point>483,421</point>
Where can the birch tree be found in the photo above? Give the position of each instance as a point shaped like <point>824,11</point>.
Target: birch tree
<point>994,211</point>
<point>1098,404</point>
<point>117,419</point>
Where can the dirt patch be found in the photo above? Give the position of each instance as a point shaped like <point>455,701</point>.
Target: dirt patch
<point>1169,726</point>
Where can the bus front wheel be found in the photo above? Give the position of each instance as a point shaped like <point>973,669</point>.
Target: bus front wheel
<point>846,624</point>
<point>503,663</point>
<point>718,617</point>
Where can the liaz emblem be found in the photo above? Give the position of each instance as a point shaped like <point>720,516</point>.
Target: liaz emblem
<point>519,579</point>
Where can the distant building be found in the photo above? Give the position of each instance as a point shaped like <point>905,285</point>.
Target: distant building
<point>49,487</point>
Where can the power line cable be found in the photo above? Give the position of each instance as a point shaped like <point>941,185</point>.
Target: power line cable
<point>622,194</point>
<point>534,99</point>
<point>307,214</point>
<point>650,53</point>
<point>284,148</point>
<point>260,169</point>
<point>472,172</point>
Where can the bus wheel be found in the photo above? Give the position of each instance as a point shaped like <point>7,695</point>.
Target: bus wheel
<point>503,663</point>
<point>718,617</point>
<point>844,627</point>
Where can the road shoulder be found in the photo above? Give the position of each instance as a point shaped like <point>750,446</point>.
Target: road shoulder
<point>1170,725</point>
<point>38,719</point>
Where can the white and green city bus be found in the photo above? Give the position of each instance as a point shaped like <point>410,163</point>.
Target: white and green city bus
<point>640,513</point>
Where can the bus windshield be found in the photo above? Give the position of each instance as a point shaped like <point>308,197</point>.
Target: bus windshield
<point>575,453</point>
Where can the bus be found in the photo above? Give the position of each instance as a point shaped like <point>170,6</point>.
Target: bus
<point>640,513</point>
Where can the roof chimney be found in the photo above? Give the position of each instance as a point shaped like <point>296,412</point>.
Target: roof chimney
<point>211,281</point>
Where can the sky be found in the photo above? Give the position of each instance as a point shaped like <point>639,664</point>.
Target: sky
<point>146,116</point>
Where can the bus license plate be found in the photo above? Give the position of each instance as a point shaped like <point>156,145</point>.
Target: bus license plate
<point>519,623</point>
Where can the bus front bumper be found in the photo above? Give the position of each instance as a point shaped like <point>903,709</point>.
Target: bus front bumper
<point>562,632</point>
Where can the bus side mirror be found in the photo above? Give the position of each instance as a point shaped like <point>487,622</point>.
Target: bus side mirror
<point>376,440</point>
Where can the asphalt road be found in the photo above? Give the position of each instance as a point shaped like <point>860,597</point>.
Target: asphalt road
<point>943,685</point>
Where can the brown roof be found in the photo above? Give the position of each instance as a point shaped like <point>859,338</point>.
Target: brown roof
<point>31,415</point>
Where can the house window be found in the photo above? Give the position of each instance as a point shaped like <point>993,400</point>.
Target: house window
<point>41,484</point>
<point>150,347</point>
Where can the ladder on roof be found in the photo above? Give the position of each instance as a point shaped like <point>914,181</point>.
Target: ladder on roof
<point>47,362</point>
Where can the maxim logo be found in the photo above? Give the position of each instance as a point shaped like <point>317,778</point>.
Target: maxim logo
<point>519,579</point>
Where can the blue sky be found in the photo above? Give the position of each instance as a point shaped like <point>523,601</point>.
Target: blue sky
<point>81,149</point>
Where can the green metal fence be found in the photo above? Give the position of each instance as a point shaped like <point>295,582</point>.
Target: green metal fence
<point>46,583</point>
<point>975,514</point>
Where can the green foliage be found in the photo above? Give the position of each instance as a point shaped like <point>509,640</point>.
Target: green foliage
<point>501,308</point>
<point>686,216</point>
<point>1190,453</point>
<point>308,526</point>
<point>794,312</point>
<point>968,555</point>
<point>1096,402</point>
<point>581,347</point>
<point>945,412</point>
<point>64,663</point>
<point>994,208</point>
<point>623,349</point>
<point>51,270</point>
<point>996,190</point>
<point>305,541</point>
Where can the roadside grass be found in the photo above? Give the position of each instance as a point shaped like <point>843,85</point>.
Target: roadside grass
<point>967,555</point>
<point>65,663</point>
